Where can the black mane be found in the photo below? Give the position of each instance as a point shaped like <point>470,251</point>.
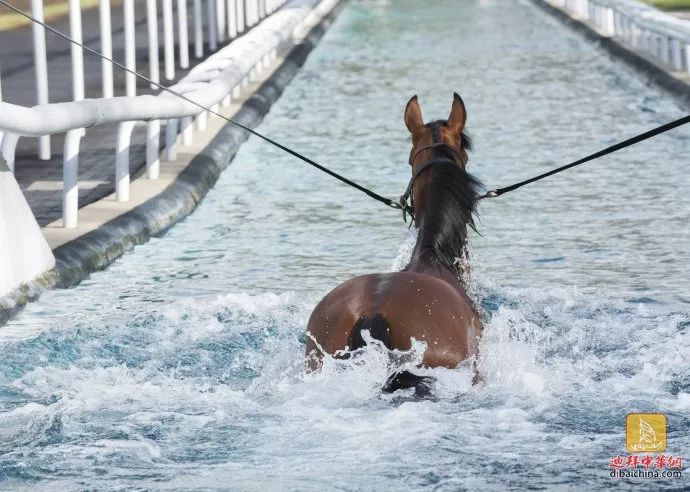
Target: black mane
<point>450,205</point>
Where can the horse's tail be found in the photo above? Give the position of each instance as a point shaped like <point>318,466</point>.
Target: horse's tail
<point>377,326</point>
<point>379,329</point>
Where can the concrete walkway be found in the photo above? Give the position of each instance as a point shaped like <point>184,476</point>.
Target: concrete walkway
<point>41,181</point>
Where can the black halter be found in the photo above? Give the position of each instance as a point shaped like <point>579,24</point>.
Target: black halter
<point>408,208</point>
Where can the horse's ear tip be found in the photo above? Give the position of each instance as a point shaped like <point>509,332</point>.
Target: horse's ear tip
<point>457,96</point>
<point>413,100</point>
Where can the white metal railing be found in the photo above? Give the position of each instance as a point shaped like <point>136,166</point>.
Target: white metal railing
<point>660,36</point>
<point>212,83</point>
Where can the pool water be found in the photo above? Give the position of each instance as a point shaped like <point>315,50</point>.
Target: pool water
<point>181,365</point>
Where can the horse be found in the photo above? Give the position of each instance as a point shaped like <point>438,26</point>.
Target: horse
<point>427,300</point>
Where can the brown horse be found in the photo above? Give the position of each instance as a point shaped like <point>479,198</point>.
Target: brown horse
<point>427,300</point>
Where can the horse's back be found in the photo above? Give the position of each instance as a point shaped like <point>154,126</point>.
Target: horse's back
<point>414,305</point>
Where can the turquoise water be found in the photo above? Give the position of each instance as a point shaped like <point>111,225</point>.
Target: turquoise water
<point>180,367</point>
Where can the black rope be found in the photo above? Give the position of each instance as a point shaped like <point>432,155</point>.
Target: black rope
<point>375,196</point>
<point>609,150</point>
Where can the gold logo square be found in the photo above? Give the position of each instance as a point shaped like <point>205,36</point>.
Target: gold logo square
<point>645,432</point>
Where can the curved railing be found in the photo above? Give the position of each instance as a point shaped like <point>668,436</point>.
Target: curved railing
<point>211,84</point>
<point>660,36</point>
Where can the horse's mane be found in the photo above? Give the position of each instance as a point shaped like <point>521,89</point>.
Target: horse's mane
<point>450,207</point>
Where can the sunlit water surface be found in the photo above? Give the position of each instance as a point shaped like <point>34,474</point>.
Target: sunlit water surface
<point>181,365</point>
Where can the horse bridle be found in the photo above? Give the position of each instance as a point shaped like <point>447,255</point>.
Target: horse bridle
<point>408,208</point>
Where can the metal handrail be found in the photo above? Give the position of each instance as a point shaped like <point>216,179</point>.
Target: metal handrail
<point>641,27</point>
<point>211,83</point>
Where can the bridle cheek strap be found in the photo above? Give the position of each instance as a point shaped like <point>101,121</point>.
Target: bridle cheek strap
<point>407,199</point>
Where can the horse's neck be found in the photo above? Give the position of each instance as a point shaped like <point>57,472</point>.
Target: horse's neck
<point>441,248</point>
<point>425,259</point>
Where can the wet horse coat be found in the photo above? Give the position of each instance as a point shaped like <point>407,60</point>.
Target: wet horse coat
<point>427,300</point>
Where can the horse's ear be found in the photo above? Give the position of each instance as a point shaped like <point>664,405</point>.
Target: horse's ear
<point>458,116</point>
<point>413,115</point>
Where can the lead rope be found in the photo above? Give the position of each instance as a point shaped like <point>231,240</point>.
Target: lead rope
<point>608,150</point>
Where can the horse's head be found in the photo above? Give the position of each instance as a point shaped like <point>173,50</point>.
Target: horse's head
<point>438,158</point>
<point>440,137</point>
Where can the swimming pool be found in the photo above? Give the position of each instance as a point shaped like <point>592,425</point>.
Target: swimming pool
<point>180,366</point>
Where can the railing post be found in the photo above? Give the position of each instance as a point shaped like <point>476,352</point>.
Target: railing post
<point>232,18</point>
<point>212,26</point>
<point>70,179</point>
<point>664,48</point>
<point>171,140</point>
<point>77,53</point>
<point>610,23</point>
<point>130,48</point>
<point>198,30</point>
<point>676,59</point>
<point>152,25</point>
<point>182,33</point>
<point>153,162</point>
<point>617,29</point>
<point>201,121</point>
<point>106,47</point>
<point>220,19</point>
<point>41,68</point>
<point>240,16</point>
<point>124,137</point>
<point>187,131</point>
<point>168,40</point>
